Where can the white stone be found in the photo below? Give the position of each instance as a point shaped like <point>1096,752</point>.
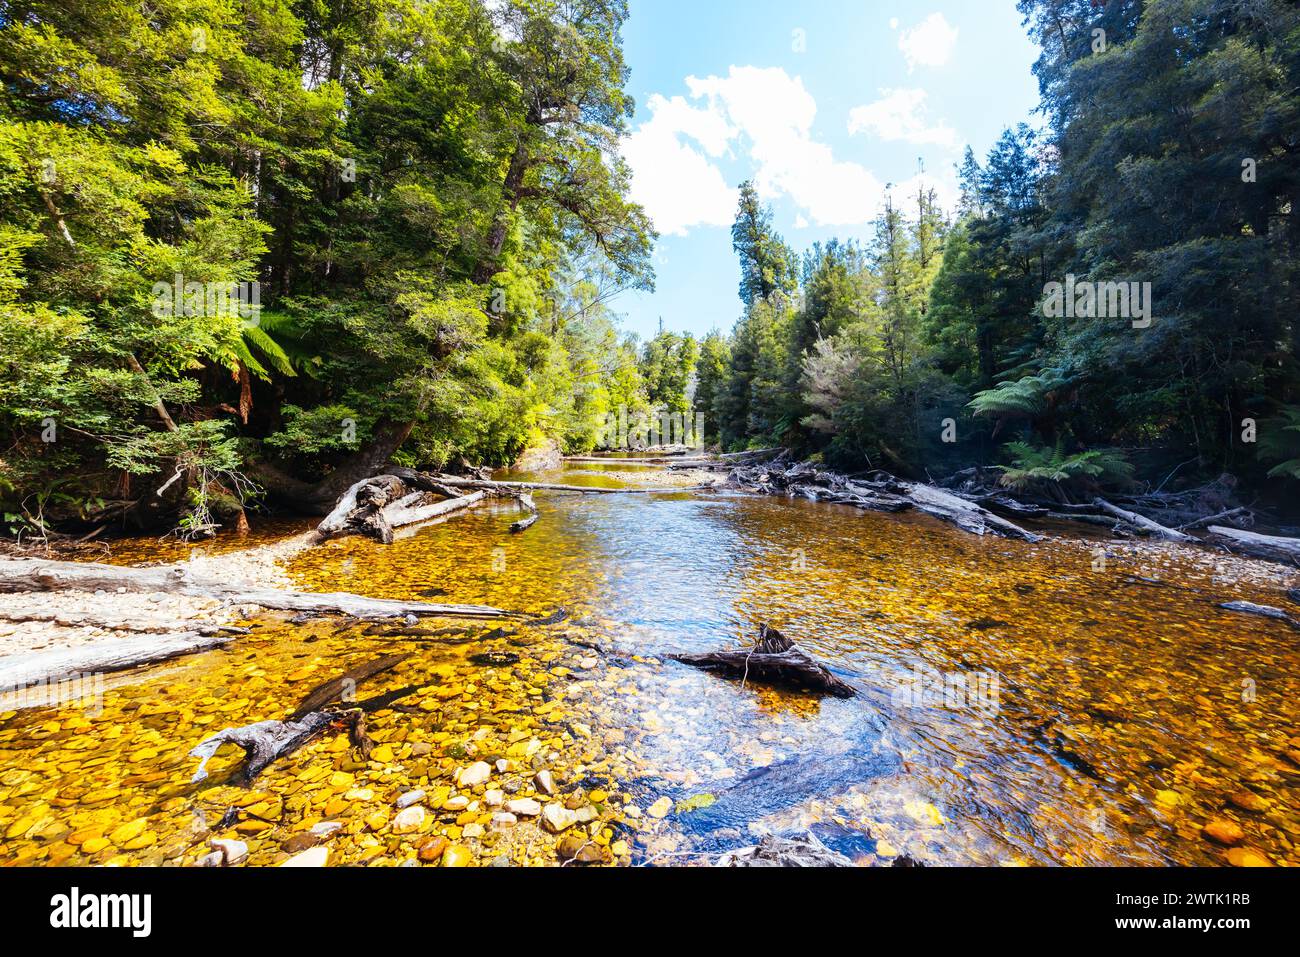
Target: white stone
<point>312,857</point>
<point>475,774</point>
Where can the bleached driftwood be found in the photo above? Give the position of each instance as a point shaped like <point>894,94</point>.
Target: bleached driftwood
<point>1271,547</point>
<point>34,574</point>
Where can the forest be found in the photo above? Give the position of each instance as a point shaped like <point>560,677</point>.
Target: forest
<point>249,251</point>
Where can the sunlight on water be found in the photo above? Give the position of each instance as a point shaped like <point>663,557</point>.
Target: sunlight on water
<point>1081,717</point>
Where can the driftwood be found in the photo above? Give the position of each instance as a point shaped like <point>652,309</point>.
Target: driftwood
<point>553,487</point>
<point>774,660</point>
<point>526,503</point>
<point>882,493</point>
<point>265,741</point>
<point>802,850</point>
<point>27,574</point>
<point>1270,547</point>
<point>374,507</point>
<point>1142,522</point>
<point>30,669</point>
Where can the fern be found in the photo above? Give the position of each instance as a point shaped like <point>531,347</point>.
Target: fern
<point>1028,397</point>
<point>1038,464</point>
<point>1280,439</point>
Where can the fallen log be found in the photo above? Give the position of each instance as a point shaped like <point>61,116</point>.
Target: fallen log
<point>30,669</point>
<point>265,741</point>
<point>344,684</point>
<point>526,502</point>
<point>1230,514</point>
<point>774,660</point>
<point>374,507</point>
<point>553,487</point>
<point>1270,547</point>
<point>882,492</point>
<point>32,574</point>
<point>1142,522</point>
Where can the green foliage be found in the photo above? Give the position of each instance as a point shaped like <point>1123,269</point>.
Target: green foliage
<point>1035,465</point>
<point>436,217</point>
<point>1280,440</point>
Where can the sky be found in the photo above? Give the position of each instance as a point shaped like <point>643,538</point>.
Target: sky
<point>825,104</point>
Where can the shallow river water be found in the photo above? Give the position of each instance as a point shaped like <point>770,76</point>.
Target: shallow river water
<point>1018,703</point>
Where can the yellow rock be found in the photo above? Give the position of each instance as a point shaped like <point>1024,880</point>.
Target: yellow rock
<point>660,808</point>
<point>456,856</point>
<point>84,835</point>
<point>127,832</point>
<point>383,754</point>
<point>146,839</point>
<point>94,845</point>
<point>598,797</point>
<point>341,780</point>
<point>1224,832</point>
<point>1168,798</point>
<point>1248,857</point>
<point>377,821</point>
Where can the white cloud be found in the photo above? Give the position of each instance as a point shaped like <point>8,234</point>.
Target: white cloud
<point>929,43</point>
<point>673,180</point>
<point>774,113</point>
<point>768,115</point>
<point>899,115</point>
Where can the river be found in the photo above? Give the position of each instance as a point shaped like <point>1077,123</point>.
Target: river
<point>1070,702</point>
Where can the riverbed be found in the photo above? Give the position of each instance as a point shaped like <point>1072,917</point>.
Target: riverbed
<point>1076,701</point>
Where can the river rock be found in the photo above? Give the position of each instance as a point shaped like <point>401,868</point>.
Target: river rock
<point>433,848</point>
<point>477,773</point>
<point>232,852</point>
<point>556,817</point>
<point>1224,832</point>
<point>1248,801</point>
<point>409,798</point>
<point>1248,857</point>
<point>408,820</point>
<point>545,782</point>
<point>313,857</point>
<point>660,808</point>
<point>494,797</point>
<point>580,850</point>
<point>326,828</point>
<point>802,850</point>
<point>524,807</point>
<point>504,819</point>
<point>211,859</point>
<point>456,856</point>
<point>301,842</point>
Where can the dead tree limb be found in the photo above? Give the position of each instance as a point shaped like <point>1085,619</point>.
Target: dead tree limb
<point>1270,547</point>
<point>1144,523</point>
<point>774,660</point>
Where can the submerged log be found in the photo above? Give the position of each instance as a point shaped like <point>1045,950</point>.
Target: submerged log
<point>801,850</point>
<point>28,574</point>
<point>1263,611</point>
<point>775,659</point>
<point>1270,547</point>
<point>265,741</point>
<point>526,503</point>
<point>345,683</point>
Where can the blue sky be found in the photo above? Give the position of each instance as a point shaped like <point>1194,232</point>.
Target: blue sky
<point>825,103</point>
